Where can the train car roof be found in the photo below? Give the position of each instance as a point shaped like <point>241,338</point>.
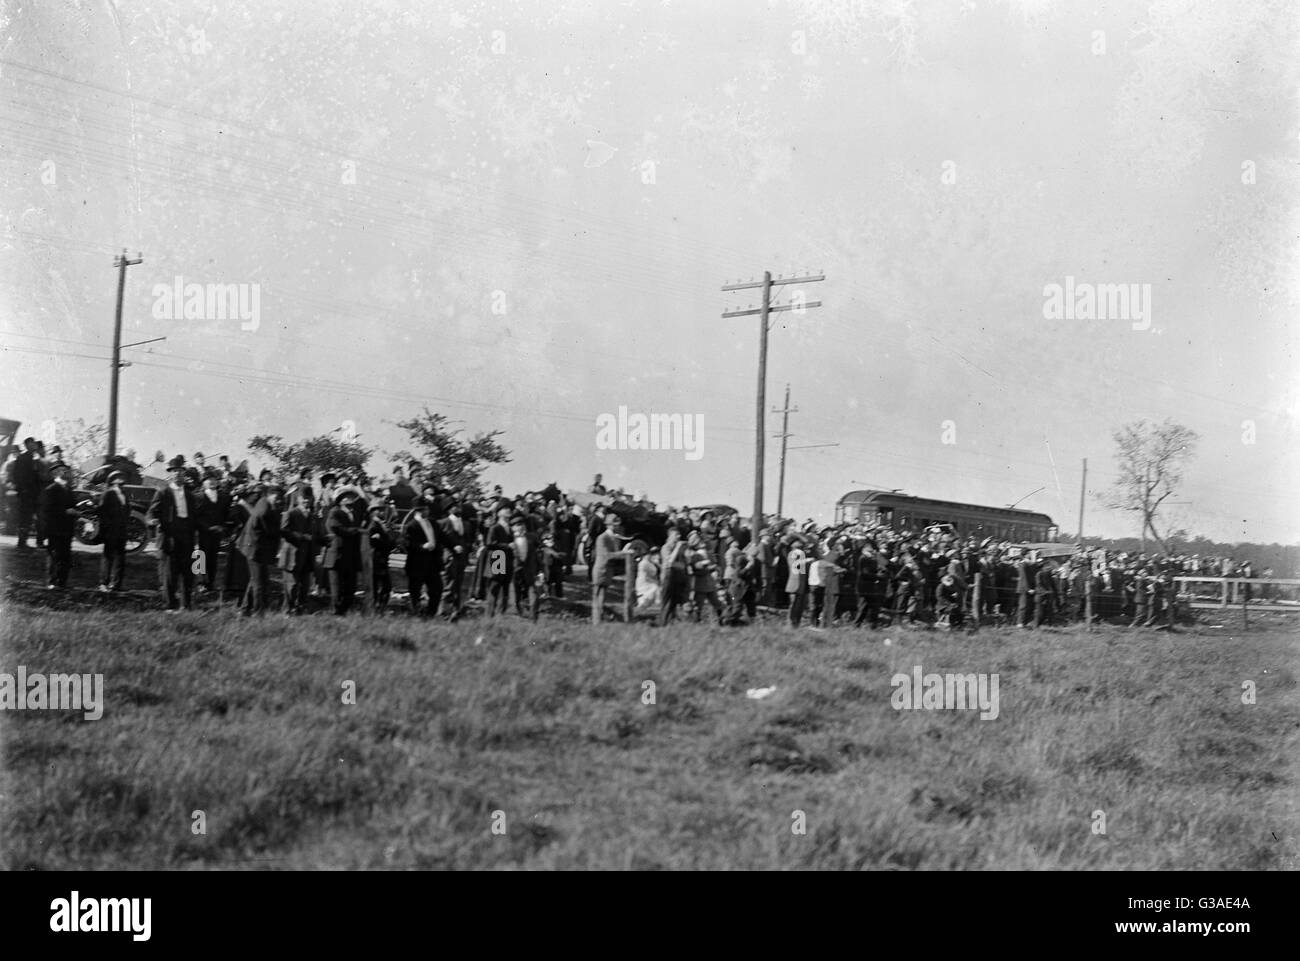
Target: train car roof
<point>880,497</point>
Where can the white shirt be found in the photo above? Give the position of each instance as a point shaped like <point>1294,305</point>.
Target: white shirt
<point>178,495</point>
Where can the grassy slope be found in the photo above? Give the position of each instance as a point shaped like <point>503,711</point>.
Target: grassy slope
<point>245,721</point>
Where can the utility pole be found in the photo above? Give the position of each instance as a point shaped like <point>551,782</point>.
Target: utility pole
<point>785,413</point>
<point>785,436</point>
<point>1083,487</point>
<point>121,263</point>
<point>762,312</point>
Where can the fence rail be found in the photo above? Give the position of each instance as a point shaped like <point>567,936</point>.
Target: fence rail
<point>1278,594</point>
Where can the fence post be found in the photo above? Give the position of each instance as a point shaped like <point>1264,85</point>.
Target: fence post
<point>629,586</point>
<point>1087,603</point>
<point>975,601</point>
<point>1245,617</point>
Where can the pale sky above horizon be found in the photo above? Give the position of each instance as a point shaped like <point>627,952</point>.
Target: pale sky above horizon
<point>389,173</point>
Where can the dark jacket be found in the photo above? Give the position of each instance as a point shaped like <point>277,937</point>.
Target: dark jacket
<point>418,554</point>
<point>114,515</point>
<point>343,541</point>
<point>56,499</point>
<point>1045,584</point>
<point>381,542</point>
<point>530,565</point>
<point>176,533</point>
<point>296,551</point>
<point>260,539</point>
<point>450,539</point>
<point>867,582</point>
<point>211,516</point>
<point>24,476</point>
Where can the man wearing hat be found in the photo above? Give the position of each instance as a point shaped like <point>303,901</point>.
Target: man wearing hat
<point>59,514</point>
<point>869,587</point>
<point>457,536</point>
<point>114,518</point>
<point>260,543</point>
<point>210,518</point>
<point>296,553</point>
<point>342,551</point>
<point>381,546</point>
<point>26,482</point>
<point>422,558</point>
<point>172,512</point>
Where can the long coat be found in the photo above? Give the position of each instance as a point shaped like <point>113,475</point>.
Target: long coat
<point>56,499</point>
<point>177,533</point>
<point>343,541</point>
<point>260,540</point>
<point>114,515</point>
<point>296,551</point>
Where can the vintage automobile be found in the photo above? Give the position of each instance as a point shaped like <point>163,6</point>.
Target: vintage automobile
<point>139,492</point>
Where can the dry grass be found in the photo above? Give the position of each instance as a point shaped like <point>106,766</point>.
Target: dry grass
<point>244,721</point>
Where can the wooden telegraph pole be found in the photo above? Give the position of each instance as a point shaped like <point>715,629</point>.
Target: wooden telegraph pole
<point>121,263</point>
<point>766,284</point>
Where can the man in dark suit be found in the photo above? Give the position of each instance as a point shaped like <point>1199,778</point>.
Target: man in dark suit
<point>211,515</point>
<point>457,537</point>
<point>1026,580</point>
<point>342,552</point>
<point>297,551</point>
<point>26,483</point>
<point>403,494</point>
<point>381,546</point>
<point>173,511</point>
<point>495,569</point>
<point>422,558</point>
<point>260,543</point>
<point>528,564</point>
<point>114,519</point>
<point>867,587</point>
<point>59,518</point>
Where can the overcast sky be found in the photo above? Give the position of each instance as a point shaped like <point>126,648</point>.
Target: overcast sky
<point>521,215</point>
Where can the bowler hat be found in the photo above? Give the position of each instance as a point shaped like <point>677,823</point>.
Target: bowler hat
<point>176,463</point>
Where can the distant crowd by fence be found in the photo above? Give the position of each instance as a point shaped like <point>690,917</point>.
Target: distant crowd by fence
<point>334,535</point>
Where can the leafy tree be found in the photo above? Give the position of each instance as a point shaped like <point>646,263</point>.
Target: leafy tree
<point>83,445</point>
<point>323,453</point>
<point>1149,459</point>
<point>456,460</point>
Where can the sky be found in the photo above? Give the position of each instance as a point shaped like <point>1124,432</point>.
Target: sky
<point>522,215</point>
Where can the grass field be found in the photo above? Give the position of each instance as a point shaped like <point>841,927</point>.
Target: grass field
<point>543,731</point>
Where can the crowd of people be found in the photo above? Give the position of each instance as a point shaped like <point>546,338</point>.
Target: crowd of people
<point>331,537</point>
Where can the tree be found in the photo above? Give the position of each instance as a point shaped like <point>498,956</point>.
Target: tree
<point>323,453</point>
<point>457,461</point>
<point>1150,460</point>
<point>83,445</point>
